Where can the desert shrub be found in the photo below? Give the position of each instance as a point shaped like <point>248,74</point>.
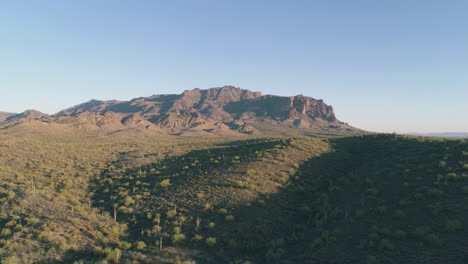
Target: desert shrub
<point>465,189</point>
<point>434,193</point>
<point>125,245</point>
<point>197,237</point>
<point>5,232</point>
<point>251,172</point>
<point>139,245</point>
<point>372,191</point>
<point>453,225</point>
<point>382,209</point>
<point>113,255</point>
<point>129,201</point>
<point>223,211</point>
<point>125,210</point>
<point>452,175</point>
<point>211,241</point>
<point>274,254</point>
<point>399,213</point>
<point>178,239</point>
<point>360,212</point>
<point>156,229</point>
<point>165,183</point>
<point>372,260</point>
<point>32,220</point>
<point>385,244</point>
<point>171,213</point>
<point>421,231</point>
<point>433,239</point>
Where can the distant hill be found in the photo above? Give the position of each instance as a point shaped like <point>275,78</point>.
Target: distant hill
<point>27,115</point>
<point>224,110</point>
<point>442,135</point>
<point>4,116</point>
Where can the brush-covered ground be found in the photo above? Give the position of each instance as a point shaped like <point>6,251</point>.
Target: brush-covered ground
<point>68,198</point>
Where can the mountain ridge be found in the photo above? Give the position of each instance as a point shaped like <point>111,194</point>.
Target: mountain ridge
<point>226,110</point>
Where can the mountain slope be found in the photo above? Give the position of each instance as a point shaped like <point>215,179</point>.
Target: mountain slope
<point>217,111</point>
<point>4,116</point>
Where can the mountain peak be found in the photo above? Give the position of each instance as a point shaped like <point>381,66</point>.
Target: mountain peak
<point>219,110</point>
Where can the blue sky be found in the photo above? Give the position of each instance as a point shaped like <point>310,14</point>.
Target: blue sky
<point>389,65</point>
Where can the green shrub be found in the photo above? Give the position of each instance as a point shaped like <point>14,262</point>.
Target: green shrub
<point>129,201</point>
<point>433,239</point>
<point>171,213</point>
<point>5,232</point>
<point>399,213</point>
<point>223,211</point>
<point>165,183</point>
<point>434,193</point>
<point>125,245</point>
<point>211,241</point>
<point>197,237</point>
<point>371,260</point>
<point>385,244</point>
<point>465,190</point>
<point>421,231</point>
<point>453,225</point>
<point>139,245</point>
<point>178,239</point>
<point>156,229</point>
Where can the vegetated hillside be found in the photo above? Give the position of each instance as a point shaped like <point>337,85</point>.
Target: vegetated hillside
<point>227,111</point>
<point>368,199</point>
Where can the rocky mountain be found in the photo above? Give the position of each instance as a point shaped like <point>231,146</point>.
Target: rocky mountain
<point>223,110</point>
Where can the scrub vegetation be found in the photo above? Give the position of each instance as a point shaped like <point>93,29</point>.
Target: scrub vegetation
<point>165,199</point>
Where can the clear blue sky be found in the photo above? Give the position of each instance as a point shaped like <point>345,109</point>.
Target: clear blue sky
<point>387,65</point>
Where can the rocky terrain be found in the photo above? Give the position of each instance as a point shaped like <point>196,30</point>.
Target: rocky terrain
<point>217,111</point>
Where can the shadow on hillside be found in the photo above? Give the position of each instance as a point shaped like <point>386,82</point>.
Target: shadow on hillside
<point>330,212</point>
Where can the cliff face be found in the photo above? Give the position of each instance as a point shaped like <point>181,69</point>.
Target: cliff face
<point>220,109</point>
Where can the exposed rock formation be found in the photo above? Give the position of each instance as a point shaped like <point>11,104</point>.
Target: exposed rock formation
<point>217,110</point>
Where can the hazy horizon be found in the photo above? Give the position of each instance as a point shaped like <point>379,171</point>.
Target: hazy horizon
<point>384,66</point>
